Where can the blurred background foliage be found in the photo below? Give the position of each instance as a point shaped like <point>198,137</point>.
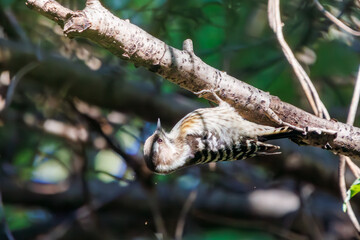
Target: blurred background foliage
<point>62,100</point>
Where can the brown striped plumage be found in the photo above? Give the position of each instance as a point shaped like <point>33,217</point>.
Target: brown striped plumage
<point>208,135</point>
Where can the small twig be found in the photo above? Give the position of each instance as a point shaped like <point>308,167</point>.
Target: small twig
<point>86,192</point>
<point>309,89</point>
<point>353,167</point>
<point>159,221</point>
<point>343,159</point>
<point>16,26</point>
<point>336,21</point>
<point>15,80</point>
<point>181,222</point>
<point>309,221</point>
<point>112,175</point>
<point>88,2</point>
<point>342,185</point>
<point>350,120</point>
<point>45,155</point>
<point>354,101</point>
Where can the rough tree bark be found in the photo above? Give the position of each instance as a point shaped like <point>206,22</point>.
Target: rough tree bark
<point>185,69</point>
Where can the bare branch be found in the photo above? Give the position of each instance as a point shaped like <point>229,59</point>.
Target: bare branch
<point>336,21</point>
<point>354,101</point>
<point>16,25</point>
<point>343,159</point>
<point>350,120</point>
<point>342,186</point>
<point>158,219</point>
<point>181,222</point>
<point>15,80</point>
<point>310,91</point>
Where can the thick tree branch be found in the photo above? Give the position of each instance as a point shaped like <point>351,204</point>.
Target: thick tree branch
<point>185,69</point>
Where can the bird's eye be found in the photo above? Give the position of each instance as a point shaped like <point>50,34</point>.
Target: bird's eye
<point>159,140</point>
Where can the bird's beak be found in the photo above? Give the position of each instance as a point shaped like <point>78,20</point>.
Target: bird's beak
<point>158,128</point>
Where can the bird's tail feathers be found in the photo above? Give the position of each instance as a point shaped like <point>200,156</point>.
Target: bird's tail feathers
<point>278,133</point>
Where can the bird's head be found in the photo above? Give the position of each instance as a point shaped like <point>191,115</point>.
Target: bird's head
<point>160,151</point>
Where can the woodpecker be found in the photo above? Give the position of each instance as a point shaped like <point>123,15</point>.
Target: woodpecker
<point>209,135</point>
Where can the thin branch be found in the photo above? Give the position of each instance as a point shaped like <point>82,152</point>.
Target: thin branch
<point>315,102</point>
<point>354,101</point>
<point>350,120</point>
<point>89,2</point>
<point>16,26</point>
<point>353,167</point>
<point>181,222</point>
<point>342,185</point>
<point>155,209</point>
<point>117,178</point>
<point>16,79</point>
<point>336,21</point>
<point>343,159</point>
<point>309,89</point>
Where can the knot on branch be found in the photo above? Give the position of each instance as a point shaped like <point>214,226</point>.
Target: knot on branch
<point>92,2</point>
<point>188,46</point>
<point>77,23</point>
<point>323,138</point>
